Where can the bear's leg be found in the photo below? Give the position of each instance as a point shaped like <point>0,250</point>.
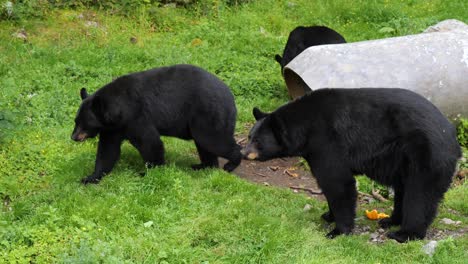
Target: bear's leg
<point>147,141</point>
<point>208,159</point>
<point>396,217</point>
<point>328,216</point>
<point>107,155</point>
<point>342,199</point>
<point>418,210</point>
<point>227,149</point>
<point>219,141</point>
<point>233,154</point>
<point>339,187</point>
<point>221,146</point>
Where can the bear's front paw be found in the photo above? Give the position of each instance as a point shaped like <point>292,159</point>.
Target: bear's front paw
<point>90,180</point>
<point>329,217</point>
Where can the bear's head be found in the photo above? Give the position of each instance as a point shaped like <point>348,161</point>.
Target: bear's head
<point>87,124</point>
<point>97,112</point>
<point>265,138</point>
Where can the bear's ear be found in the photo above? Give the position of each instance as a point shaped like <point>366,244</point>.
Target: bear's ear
<point>258,114</point>
<point>83,93</point>
<point>278,58</point>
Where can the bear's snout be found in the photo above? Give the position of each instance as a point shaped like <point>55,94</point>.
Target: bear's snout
<point>249,153</point>
<point>78,135</point>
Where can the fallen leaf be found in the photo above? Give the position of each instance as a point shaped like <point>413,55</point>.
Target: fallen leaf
<point>196,42</point>
<point>386,30</point>
<point>273,168</point>
<point>292,174</point>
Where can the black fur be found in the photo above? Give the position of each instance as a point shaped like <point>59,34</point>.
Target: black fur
<point>181,101</point>
<point>302,38</point>
<point>393,136</point>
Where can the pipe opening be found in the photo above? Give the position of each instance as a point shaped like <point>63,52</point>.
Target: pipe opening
<point>295,84</point>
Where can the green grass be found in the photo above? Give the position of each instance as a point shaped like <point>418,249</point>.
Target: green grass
<point>173,214</point>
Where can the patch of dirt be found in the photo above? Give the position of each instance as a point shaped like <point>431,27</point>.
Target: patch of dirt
<point>283,172</point>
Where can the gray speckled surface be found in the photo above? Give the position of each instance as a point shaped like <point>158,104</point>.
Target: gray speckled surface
<point>433,64</point>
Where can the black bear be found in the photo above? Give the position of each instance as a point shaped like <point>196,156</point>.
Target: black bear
<point>393,136</point>
<point>182,101</point>
<point>303,37</point>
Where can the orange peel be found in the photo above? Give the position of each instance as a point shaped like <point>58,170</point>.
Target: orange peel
<point>375,215</point>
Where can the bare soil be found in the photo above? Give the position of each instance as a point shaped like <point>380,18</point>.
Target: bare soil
<point>284,172</point>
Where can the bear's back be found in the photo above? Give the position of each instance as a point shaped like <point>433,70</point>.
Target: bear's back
<point>369,116</point>
<point>173,97</point>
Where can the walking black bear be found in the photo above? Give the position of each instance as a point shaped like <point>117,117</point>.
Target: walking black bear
<point>181,101</point>
<point>393,136</point>
<point>303,37</point>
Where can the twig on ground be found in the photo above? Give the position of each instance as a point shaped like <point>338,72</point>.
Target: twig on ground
<point>314,192</point>
<point>292,174</point>
<point>273,168</point>
<point>366,194</point>
<point>242,140</point>
<point>377,196</point>
<point>259,174</point>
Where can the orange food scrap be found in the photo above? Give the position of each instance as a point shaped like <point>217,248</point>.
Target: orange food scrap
<point>374,215</point>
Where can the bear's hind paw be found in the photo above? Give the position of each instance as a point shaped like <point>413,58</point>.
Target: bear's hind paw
<point>403,236</point>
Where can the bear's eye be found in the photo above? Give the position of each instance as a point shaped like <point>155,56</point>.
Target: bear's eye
<point>258,145</point>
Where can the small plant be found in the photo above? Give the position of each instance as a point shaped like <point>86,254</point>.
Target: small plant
<point>462,132</point>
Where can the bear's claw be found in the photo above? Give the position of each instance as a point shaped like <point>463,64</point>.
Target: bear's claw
<point>90,180</point>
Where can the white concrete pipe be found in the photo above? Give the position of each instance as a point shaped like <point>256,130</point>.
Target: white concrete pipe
<point>433,64</point>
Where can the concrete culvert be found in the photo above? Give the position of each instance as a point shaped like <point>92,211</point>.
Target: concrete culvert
<point>433,64</point>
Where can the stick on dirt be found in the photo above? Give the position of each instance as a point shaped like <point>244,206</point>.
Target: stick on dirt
<point>242,140</point>
<point>259,174</point>
<point>377,196</point>
<point>314,192</point>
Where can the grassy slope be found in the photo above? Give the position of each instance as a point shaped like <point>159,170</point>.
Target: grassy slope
<point>196,216</point>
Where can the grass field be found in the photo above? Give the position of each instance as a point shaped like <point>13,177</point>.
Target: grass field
<point>173,214</point>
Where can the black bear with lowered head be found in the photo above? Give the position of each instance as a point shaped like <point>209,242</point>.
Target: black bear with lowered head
<point>393,136</point>
<point>302,38</point>
<point>182,101</point>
